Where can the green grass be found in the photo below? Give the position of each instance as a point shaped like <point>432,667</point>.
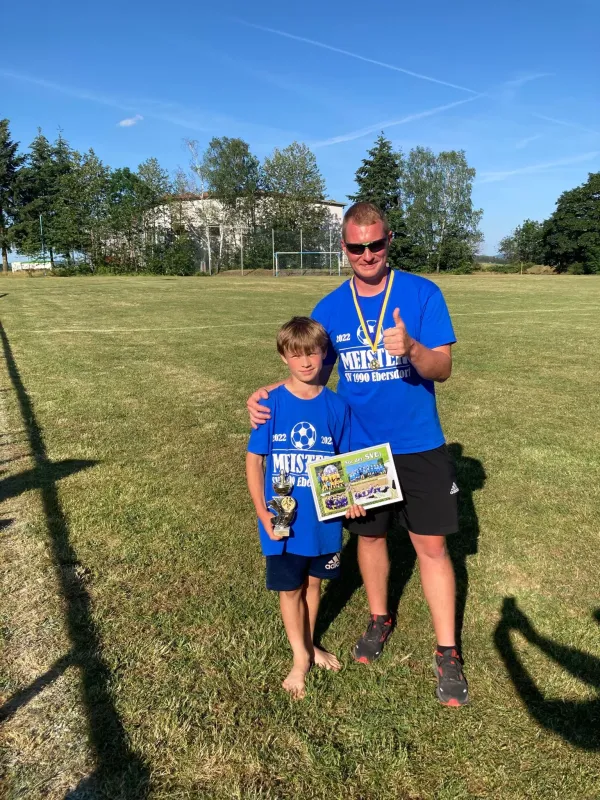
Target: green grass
<point>146,560</point>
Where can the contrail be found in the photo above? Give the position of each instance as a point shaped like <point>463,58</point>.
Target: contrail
<point>355,55</point>
<point>348,137</point>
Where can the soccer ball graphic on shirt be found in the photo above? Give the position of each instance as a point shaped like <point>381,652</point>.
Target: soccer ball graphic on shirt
<point>372,328</point>
<point>303,436</point>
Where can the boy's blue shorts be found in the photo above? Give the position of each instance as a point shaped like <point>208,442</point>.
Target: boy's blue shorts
<point>288,571</point>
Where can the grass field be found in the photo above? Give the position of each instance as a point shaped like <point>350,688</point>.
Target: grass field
<point>141,656</point>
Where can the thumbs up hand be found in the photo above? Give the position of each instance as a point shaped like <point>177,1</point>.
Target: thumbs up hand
<point>396,340</point>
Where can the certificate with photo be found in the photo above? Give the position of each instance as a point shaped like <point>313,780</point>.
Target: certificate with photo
<point>364,477</point>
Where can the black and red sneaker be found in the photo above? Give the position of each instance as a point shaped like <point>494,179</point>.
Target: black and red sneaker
<point>370,645</point>
<point>452,689</point>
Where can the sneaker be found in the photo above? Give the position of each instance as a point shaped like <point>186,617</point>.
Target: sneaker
<point>370,645</point>
<point>452,689</point>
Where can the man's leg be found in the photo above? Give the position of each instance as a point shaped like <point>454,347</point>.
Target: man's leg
<point>294,613</point>
<point>313,597</point>
<point>439,587</point>
<point>374,564</point>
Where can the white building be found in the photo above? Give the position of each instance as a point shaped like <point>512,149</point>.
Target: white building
<point>189,210</point>
<point>25,266</point>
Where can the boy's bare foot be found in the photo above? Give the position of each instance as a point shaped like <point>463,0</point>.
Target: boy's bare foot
<point>294,683</point>
<point>326,660</point>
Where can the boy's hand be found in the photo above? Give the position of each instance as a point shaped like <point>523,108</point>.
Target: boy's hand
<point>267,520</point>
<point>355,511</point>
<point>258,414</point>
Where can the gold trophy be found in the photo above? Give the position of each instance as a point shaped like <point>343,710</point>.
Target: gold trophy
<point>283,506</point>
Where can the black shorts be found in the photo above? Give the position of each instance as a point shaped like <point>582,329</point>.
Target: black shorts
<point>289,571</point>
<point>430,505</point>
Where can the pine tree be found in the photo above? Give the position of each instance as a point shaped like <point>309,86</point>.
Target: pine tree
<point>10,163</point>
<point>379,182</point>
<point>33,232</point>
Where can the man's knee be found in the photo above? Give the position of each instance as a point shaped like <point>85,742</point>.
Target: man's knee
<point>430,548</point>
<point>372,542</point>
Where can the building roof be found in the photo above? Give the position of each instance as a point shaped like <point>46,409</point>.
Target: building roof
<point>189,196</point>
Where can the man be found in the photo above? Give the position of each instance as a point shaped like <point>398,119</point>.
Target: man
<point>393,336</point>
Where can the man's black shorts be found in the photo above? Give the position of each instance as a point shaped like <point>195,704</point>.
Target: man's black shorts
<point>430,505</point>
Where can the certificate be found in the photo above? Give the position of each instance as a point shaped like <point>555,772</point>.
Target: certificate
<point>364,477</point>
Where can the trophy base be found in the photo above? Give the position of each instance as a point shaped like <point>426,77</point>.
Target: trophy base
<point>283,532</point>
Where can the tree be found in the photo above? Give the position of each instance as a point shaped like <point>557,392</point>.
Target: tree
<point>295,188</point>
<point>437,196</point>
<point>10,164</point>
<point>524,245</point>
<point>571,237</point>
<point>379,181</point>
<point>232,175</point>
<point>378,177</point>
<point>33,228</point>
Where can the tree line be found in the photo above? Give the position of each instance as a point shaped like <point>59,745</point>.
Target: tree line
<point>569,240</point>
<point>70,207</point>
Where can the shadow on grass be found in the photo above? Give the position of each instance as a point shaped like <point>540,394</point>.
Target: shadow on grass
<point>470,478</point>
<point>577,722</point>
<point>120,774</point>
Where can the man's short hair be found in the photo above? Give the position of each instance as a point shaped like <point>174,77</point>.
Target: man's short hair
<point>364,214</point>
<point>302,335</point>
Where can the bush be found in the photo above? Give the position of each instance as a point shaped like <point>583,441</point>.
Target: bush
<point>541,269</point>
<point>577,268</point>
<point>504,269</point>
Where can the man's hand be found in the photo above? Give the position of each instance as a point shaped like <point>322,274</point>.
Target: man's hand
<point>355,511</point>
<point>258,414</point>
<point>396,340</point>
<point>267,520</point>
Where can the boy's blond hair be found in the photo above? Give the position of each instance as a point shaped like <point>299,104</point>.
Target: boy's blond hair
<point>302,335</point>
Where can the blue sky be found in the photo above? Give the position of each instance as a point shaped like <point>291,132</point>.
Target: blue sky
<point>516,85</point>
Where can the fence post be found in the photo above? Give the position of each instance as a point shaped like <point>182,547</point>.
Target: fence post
<point>301,257</point>
<point>330,249</point>
<point>208,245</point>
<point>273,246</point>
<point>242,251</point>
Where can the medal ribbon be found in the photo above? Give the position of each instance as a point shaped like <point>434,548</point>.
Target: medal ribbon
<point>361,319</point>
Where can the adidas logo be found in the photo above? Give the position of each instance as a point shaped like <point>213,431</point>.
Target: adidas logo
<point>454,489</point>
<point>334,562</point>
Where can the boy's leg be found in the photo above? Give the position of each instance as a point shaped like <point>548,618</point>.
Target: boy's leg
<point>322,658</point>
<point>295,619</point>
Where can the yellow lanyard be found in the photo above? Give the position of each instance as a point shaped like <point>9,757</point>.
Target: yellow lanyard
<point>361,319</point>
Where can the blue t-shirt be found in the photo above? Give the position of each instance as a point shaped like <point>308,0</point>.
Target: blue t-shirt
<point>298,433</point>
<point>391,404</point>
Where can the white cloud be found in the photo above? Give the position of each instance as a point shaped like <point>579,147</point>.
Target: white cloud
<point>491,177</point>
<point>517,82</point>
<point>379,126</point>
<point>130,121</point>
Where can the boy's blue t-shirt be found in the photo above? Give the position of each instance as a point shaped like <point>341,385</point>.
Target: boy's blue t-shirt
<point>392,404</point>
<point>298,433</point>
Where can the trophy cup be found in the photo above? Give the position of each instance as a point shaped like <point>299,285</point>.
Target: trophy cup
<point>283,506</point>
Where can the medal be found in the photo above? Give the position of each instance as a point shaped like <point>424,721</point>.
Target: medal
<point>374,363</point>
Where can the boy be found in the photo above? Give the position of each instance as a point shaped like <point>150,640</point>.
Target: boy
<point>308,423</point>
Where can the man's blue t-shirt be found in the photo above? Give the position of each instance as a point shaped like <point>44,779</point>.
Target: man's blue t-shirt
<point>298,433</point>
<point>391,404</point>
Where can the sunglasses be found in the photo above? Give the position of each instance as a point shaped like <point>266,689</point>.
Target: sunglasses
<point>375,247</point>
